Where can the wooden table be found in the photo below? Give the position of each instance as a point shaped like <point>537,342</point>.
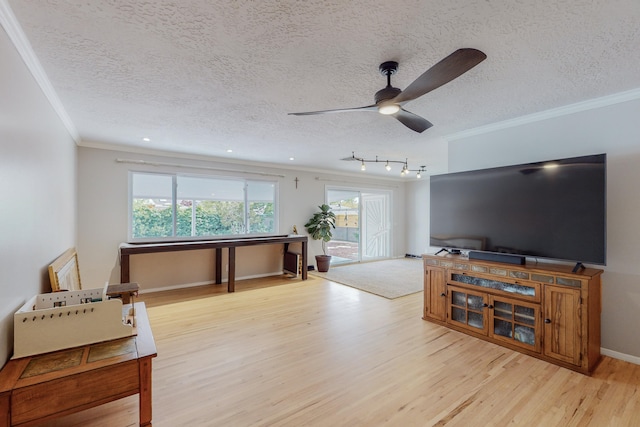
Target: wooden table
<point>42,387</point>
<point>128,249</point>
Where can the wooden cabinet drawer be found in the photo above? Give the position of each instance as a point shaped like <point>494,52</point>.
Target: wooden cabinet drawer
<point>64,394</point>
<point>500,286</point>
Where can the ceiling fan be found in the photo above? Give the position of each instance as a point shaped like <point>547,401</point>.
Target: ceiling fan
<point>389,101</point>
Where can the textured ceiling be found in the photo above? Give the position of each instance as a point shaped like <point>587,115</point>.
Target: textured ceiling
<point>202,77</point>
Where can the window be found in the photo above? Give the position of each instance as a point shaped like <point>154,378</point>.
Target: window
<point>182,206</point>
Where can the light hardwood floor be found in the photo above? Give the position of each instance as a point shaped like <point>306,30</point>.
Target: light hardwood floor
<point>283,352</point>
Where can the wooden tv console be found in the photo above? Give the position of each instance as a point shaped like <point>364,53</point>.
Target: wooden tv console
<point>543,310</point>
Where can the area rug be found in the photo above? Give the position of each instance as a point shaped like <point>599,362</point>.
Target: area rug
<point>391,279</point>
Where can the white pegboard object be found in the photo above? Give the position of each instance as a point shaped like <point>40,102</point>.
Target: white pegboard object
<point>55,321</point>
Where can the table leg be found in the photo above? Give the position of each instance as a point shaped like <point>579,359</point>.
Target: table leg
<point>218,266</point>
<point>231,286</point>
<point>5,409</point>
<point>124,268</point>
<point>144,366</point>
<point>304,260</point>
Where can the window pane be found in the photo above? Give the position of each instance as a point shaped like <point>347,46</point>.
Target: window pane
<point>261,198</point>
<point>260,191</point>
<point>216,218</point>
<point>261,217</point>
<point>152,218</point>
<point>152,205</point>
<point>204,206</point>
<point>184,219</point>
<point>147,185</point>
<point>204,188</point>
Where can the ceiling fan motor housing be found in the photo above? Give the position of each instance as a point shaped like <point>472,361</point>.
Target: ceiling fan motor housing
<point>387,69</point>
<point>388,92</point>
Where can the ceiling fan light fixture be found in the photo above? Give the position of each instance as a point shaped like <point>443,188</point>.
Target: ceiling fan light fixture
<point>388,100</point>
<point>388,108</point>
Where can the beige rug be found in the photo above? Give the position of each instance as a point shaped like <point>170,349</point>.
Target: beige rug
<point>391,279</point>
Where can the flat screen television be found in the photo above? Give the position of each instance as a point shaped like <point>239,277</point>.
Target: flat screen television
<point>553,209</point>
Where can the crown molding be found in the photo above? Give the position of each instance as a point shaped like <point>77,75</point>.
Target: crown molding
<point>19,39</point>
<point>591,104</point>
<point>207,159</point>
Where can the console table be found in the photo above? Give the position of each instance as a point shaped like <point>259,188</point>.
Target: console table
<point>128,249</point>
<point>46,386</point>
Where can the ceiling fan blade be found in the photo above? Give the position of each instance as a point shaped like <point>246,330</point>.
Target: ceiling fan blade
<point>451,67</point>
<point>412,121</point>
<point>341,110</point>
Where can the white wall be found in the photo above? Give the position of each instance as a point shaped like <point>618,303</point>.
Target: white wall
<point>417,216</point>
<point>614,130</point>
<point>102,218</point>
<point>418,201</point>
<point>37,189</point>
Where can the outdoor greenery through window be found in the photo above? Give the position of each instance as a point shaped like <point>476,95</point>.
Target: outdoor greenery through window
<point>181,206</point>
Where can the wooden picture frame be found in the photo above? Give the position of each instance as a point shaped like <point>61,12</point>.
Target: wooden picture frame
<point>64,273</point>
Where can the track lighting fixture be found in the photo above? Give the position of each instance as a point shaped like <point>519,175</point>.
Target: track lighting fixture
<point>405,165</point>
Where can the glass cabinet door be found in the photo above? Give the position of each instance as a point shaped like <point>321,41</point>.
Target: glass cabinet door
<point>467,309</point>
<point>515,322</point>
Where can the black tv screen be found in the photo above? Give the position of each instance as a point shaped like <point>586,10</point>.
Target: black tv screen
<point>553,209</point>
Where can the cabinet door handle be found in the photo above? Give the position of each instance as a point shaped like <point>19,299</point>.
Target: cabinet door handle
<point>490,306</point>
<point>443,294</point>
<point>547,320</point>
<point>485,305</point>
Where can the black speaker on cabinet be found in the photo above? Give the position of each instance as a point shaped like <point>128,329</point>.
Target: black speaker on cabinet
<point>495,257</point>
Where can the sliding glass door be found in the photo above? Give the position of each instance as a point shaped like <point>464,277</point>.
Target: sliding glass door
<point>362,225</point>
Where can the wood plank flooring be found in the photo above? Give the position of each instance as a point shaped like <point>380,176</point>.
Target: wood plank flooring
<point>282,352</point>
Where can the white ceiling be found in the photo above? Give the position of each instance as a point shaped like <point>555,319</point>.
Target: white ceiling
<point>201,77</point>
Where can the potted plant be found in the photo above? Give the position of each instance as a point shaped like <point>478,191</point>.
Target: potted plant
<point>320,227</point>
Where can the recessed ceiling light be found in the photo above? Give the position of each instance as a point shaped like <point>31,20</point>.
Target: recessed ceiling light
<point>229,150</point>
<point>145,139</point>
<point>291,158</point>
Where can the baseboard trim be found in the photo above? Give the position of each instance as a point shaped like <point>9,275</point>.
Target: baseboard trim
<point>208,282</point>
<point>621,356</point>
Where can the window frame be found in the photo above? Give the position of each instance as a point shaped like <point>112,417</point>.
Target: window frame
<point>174,207</point>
